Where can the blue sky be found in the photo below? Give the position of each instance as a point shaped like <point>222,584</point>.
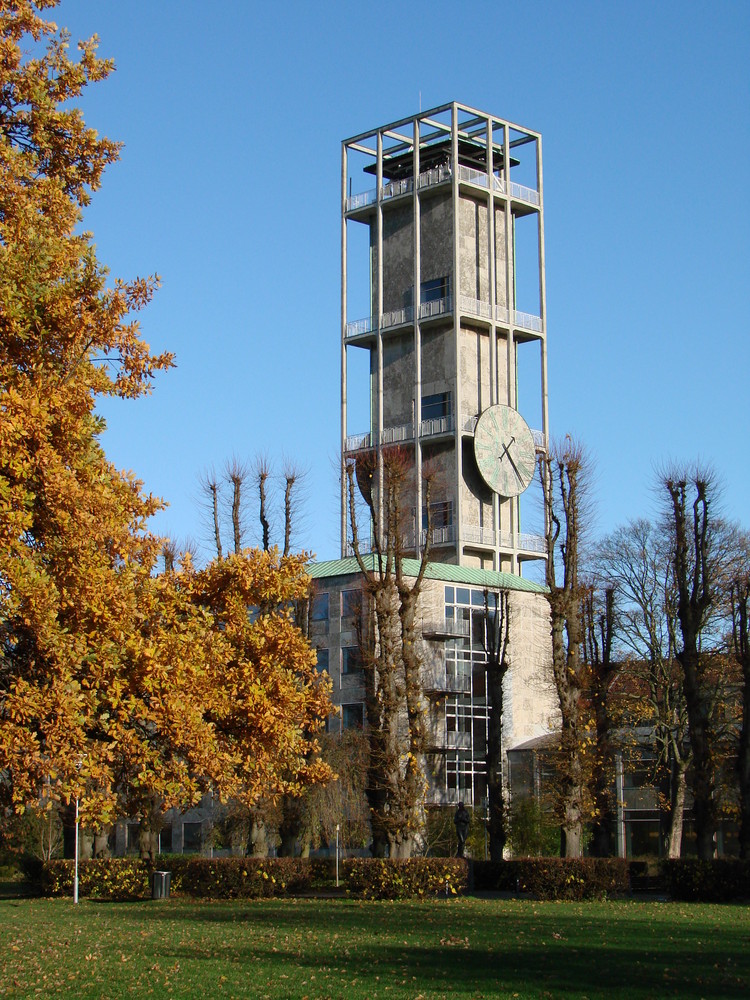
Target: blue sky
<point>232,117</point>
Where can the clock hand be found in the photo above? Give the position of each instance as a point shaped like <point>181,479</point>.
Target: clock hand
<point>510,458</point>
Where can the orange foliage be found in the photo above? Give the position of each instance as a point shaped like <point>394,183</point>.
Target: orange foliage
<point>114,684</point>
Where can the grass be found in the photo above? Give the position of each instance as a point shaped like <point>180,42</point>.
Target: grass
<point>340,947</point>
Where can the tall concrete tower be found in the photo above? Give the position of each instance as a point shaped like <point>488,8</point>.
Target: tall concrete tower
<point>442,285</point>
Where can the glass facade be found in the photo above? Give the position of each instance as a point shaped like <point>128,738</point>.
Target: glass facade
<point>465,705</point>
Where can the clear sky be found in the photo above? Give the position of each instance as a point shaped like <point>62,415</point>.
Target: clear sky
<point>229,187</point>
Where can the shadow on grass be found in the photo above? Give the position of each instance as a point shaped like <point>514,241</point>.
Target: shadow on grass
<point>643,952</point>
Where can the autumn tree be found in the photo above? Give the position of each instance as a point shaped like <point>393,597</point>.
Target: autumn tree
<point>390,645</point>
<point>563,473</point>
<point>117,687</point>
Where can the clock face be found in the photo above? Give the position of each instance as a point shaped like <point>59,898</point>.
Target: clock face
<point>504,450</point>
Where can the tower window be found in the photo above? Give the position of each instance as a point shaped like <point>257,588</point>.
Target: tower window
<point>322,664</point>
<point>436,406</point>
<point>351,603</point>
<point>319,612</point>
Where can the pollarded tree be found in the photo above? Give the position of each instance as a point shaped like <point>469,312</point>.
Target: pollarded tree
<point>390,644</point>
<point>698,554</point>
<point>635,560</point>
<point>563,474</point>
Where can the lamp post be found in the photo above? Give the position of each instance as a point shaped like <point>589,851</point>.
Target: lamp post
<point>337,855</point>
<point>75,869</point>
<point>79,765</point>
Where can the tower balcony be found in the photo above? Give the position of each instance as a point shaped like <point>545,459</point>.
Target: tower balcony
<point>478,309</point>
<point>396,188</point>
<point>401,434</point>
<point>394,318</point>
<point>480,178</point>
<point>445,535</point>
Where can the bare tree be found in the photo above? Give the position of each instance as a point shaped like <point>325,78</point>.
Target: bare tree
<point>740,607</point>
<point>598,613</point>
<point>635,560</point>
<point>692,528</point>
<point>497,636</point>
<point>563,474</point>
<point>389,641</point>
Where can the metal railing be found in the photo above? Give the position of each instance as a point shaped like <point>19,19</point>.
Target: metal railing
<point>359,326</point>
<point>358,442</point>
<point>475,307</point>
<point>436,425</point>
<point>527,321</point>
<point>392,189</point>
<point>447,627</point>
<point>522,193</point>
<point>397,317</point>
<point>479,536</point>
<point>436,307</point>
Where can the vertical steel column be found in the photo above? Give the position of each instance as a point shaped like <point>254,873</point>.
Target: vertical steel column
<point>416,303</point>
<point>542,289</point>
<point>455,285</point>
<point>379,316</point>
<point>342,472</point>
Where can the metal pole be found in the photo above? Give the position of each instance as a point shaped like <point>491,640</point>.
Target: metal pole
<point>75,872</point>
<point>337,855</point>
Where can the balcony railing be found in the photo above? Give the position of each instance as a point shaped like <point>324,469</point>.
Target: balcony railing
<point>432,427</point>
<point>527,321</point>
<point>440,536</point>
<point>392,189</point>
<point>438,175</point>
<point>460,740</point>
<point>397,317</point>
<point>445,627</point>
<point>479,536</point>
<point>524,542</point>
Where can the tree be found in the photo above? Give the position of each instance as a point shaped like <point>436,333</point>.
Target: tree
<point>635,560</point>
<point>563,474</point>
<point>598,614</point>
<point>389,641</point>
<point>740,608</point>
<point>697,551</point>
<point>497,624</point>
<point>117,687</point>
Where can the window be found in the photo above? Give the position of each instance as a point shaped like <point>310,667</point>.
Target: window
<point>191,837</point>
<point>441,515</point>
<point>352,716</point>
<point>319,610</point>
<point>351,659</point>
<point>322,665</point>
<point>436,406</point>
<point>133,838</point>
<point>165,839</point>
<point>351,603</point>
<point>429,291</point>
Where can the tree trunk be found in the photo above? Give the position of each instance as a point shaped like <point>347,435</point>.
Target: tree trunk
<point>258,838</point>
<point>674,843</point>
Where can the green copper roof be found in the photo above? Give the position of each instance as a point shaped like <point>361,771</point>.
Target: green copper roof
<point>446,572</point>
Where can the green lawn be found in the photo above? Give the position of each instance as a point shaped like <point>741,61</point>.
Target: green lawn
<point>339,947</point>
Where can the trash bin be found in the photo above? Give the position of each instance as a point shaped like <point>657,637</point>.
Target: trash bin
<point>160,885</point>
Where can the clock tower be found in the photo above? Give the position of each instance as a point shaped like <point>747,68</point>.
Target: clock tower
<point>443,327</point>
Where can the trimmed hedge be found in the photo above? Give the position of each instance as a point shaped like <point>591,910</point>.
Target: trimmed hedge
<point>556,878</point>
<point>717,881</point>
<point>103,878</point>
<point>234,878</point>
<point>381,878</point>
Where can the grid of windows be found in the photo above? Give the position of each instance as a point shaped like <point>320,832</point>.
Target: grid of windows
<point>466,707</point>
<point>322,664</point>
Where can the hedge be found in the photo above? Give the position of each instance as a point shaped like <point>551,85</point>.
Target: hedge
<point>105,878</point>
<point>555,878</point>
<point>380,878</point>
<point>717,881</point>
